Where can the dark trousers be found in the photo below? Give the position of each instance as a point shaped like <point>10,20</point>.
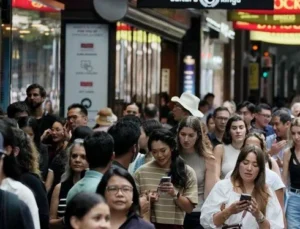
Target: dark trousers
<point>192,221</point>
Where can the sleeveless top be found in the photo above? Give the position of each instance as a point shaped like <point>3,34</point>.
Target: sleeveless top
<point>230,156</point>
<point>64,189</point>
<point>197,163</point>
<point>294,169</point>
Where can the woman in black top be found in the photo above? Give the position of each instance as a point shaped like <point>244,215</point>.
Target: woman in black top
<point>55,138</point>
<point>74,169</point>
<point>291,169</point>
<point>27,157</point>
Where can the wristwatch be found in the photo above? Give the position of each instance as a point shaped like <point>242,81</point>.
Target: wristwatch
<point>176,196</point>
<point>261,219</point>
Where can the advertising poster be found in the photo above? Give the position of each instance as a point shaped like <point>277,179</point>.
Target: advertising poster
<point>86,70</point>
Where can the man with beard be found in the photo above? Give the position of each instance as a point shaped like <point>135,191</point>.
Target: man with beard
<point>36,96</point>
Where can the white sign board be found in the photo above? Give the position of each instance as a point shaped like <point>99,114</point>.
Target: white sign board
<point>86,70</point>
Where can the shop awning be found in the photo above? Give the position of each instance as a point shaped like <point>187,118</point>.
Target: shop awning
<point>39,5</point>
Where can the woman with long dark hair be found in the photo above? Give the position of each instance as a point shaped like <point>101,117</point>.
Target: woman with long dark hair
<point>120,192</point>
<point>244,200</point>
<point>169,182</point>
<point>27,158</point>
<point>196,150</point>
<point>227,153</point>
<point>30,126</point>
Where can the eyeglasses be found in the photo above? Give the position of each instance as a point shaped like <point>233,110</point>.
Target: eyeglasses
<point>265,115</point>
<point>115,189</point>
<point>222,119</point>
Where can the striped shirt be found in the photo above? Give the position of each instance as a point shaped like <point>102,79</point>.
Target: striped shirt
<point>165,210</point>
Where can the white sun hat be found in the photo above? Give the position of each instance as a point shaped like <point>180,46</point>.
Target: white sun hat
<point>189,102</point>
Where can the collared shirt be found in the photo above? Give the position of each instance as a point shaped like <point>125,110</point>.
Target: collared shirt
<point>213,139</point>
<point>24,194</point>
<point>268,129</point>
<point>88,183</point>
<point>116,164</point>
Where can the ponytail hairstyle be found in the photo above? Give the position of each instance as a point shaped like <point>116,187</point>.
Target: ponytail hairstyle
<point>178,168</point>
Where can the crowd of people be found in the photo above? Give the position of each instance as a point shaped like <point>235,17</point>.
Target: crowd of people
<point>193,167</point>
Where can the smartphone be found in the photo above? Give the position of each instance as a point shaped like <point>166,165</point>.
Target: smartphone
<point>165,180</point>
<point>245,197</point>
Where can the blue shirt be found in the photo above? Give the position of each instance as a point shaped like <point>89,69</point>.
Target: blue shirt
<point>270,140</point>
<point>88,183</point>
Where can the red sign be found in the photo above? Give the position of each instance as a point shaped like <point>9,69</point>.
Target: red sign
<point>280,7</point>
<point>86,84</point>
<point>267,28</point>
<point>32,5</point>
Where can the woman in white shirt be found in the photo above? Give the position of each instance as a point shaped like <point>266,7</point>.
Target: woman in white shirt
<point>223,206</point>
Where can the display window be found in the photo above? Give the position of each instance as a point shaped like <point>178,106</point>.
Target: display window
<point>35,50</point>
<point>138,65</point>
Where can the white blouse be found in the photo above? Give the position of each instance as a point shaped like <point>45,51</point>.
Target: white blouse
<point>223,193</point>
<point>24,194</point>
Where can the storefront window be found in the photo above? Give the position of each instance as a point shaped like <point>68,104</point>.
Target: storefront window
<point>35,53</point>
<point>138,65</point>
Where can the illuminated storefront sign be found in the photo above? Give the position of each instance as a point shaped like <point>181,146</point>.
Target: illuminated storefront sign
<point>32,5</point>
<point>266,28</point>
<point>205,4</point>
<point>276,38</point>
<point>278,19</point>
<point>280,7</point>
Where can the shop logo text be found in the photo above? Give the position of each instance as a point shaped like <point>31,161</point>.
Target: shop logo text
<point>210,3</point>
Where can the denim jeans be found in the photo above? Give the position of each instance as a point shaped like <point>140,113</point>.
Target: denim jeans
<point>293,211</point>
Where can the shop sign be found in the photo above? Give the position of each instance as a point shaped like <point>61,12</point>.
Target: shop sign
<point>222,28</point>
<point>280,7</point>
<point>207,4</point>
<point>278,19</point>
<point>189,78</point>
<point>276,38</point>
<point>253,76</point>
<point>86,68</point>
<point>32,5</point>
<point>267,28</point>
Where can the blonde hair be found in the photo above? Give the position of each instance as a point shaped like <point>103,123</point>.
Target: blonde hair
<point>295,122</point>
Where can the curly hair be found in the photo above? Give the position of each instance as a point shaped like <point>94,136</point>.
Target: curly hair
<point>28,156</point>
<point>203,146</point>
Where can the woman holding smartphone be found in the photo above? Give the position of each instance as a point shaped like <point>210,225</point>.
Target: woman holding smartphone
<point>195,148</point>
<point>227,207</point>
<point>171,183</point>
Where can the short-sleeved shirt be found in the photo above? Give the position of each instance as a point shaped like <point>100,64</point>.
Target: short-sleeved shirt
<point>88,183</point>
<point>165,210</point>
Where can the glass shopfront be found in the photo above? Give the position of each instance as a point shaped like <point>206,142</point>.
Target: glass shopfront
<point>35,50</point>
<point>138,65</point>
